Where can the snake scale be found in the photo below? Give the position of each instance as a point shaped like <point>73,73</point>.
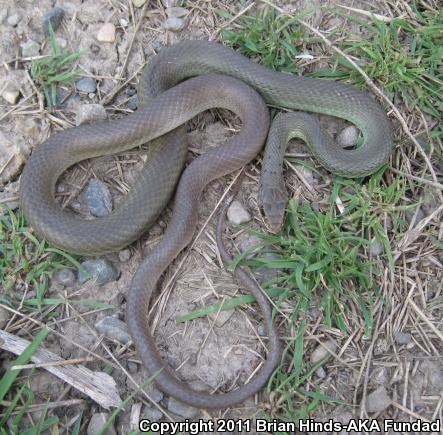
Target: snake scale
<point>180,82</point>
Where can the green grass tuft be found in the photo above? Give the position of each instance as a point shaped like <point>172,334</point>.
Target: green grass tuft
<point>26,260</point>
<point>54,70</point>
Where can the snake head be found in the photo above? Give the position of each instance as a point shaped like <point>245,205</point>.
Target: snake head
<point>273,201</point>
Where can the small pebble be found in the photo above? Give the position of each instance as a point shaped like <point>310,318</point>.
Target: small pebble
<point>14,19</point>
<point>138,3</point>
<point>65,277</point>
<point>114,329</point>
<point>320,372</point>
<point>89,113</point>
<point>378,400</point>
<point>61,42</point>
<point>402,337</point>
<point>106,33</point>
<point>181,409</point>
<point>174,24</point>
<point>155,394</point>
<point>375,248</point>
<point>86,84</point>
<point>4,317</point>
<point>98,198</point>
<point>348,137</point>
<point>11,93</point>
<point>320,352</point>
<point>30,48</point>
<point>97,422</point>
<point>124,255</point>
<point>100,270</point>
<point>133,102</point>
<point>53,16</point>
<point>237,214</point>
<point>123,22</point>
<point>152,414</point>
<point>176,11</point>
<point>220,318</point>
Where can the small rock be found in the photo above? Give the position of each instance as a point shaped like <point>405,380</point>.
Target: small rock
<point>220,318</point>
<point>73,102</point>
<point>53,16</point>
<point>261,330</point>
<point>100,270</point>
<point>138,3</point>
<point>86,84</point>
<point>181,409</point>
<point>14,19</point>
<point>152,414</point>
<point>124,255</point>
<point>4,317</point>
<point>410,212</point>
<point>97,422</point>
<point>114,329</point>
<point>106,33</point>
<point>174,24</point>
<point>30,48</point>
<point>61,42</point>
<point>133,102</point>
<point>322,351</point>
<point>375,248</point>
<point>320,372</point>
<point>65,277</point>
<point>402,337</point>
<point>176,11</point>
<point>378,400</point>
<point>98,198</point>
<point>155,394</point>
<point>89,113</point>
<point>123,22</point>
<point>11,93</point>
<point>348,137</point>
<point>237,214</point>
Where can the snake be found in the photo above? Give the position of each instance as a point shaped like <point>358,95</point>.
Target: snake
<point>178,83</point>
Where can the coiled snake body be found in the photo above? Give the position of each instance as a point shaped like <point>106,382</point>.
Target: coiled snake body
<point>218,77</point>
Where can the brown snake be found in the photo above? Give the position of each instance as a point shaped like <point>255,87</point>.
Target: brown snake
<point>166,105</point>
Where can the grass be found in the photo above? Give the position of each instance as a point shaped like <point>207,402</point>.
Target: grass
<point>326,254</point>
<point>275,40</point>
<point>404,58</point>
<point>56,69</point>
<point>25,260</point>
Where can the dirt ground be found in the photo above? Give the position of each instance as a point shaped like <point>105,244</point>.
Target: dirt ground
<point>211,355</point>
